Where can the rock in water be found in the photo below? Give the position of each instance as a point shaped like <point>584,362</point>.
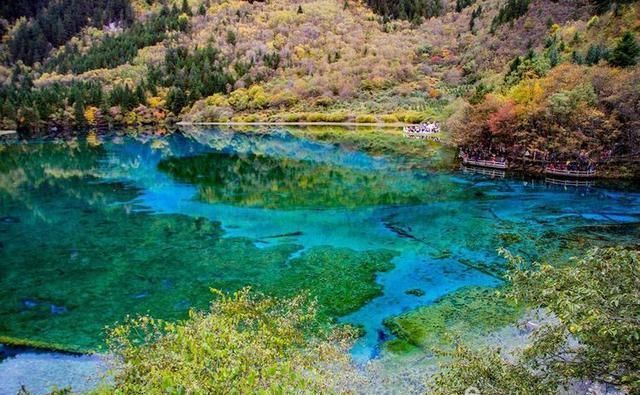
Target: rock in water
<point>29,303</point>
<point>58,309</point>
<point>414,292</point>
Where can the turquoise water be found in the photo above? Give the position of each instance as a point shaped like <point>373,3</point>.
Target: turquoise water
<point>89,234</point>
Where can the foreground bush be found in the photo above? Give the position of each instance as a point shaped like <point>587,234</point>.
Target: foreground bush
<point>249,343</point>
<point>596,336</point>
<point>488,372</point>
<point>245,343</point>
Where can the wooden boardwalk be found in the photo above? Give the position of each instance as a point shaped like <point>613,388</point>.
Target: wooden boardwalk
<point>491,164</point>
<point>570,173</point>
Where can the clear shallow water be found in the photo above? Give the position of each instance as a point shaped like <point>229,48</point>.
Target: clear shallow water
<point>42,371</point>
<point>90,234</point>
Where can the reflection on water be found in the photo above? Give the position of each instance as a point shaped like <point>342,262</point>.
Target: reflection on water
<point>92,232</point>
<point>257,180</point>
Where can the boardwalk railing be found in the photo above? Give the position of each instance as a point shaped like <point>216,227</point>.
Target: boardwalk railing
<point>569,183</point>
<point>420,135</point>
<point>493,173</point>
<point>485,163</point>
<point>423,136</point>
<point>571,173</point>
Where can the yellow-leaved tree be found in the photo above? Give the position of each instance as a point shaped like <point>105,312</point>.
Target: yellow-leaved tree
<point>90,115</point>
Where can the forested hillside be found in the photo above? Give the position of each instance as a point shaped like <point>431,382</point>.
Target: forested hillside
<point>548,75</point>
<point>32,40</point>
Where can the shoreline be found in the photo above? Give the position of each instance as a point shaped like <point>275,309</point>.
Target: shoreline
<point>304,123</point>
<point>608,173</point>
<point>16,342</point>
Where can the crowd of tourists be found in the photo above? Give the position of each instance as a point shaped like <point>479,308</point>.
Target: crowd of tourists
<point>564,163</point>
<point>555,163</point>
<point>571,166</point>
<point>422,129</point>
<point>483,154</point>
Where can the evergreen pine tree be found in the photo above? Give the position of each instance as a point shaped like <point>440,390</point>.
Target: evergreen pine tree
<point>513,67</point>
<point>626,52</point>
<point>176,100</point>
<point>231,37</point>
<point>140,95</point>
<point>185,8</point>
<point>78,112</point>
<point>554,57</point>
<point>577,58</point>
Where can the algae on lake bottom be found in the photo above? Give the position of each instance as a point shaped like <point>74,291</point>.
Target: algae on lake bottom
<point>74,260</point>
<point>466,313</point>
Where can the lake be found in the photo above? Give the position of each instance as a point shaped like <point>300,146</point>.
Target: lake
<point>93,230</point>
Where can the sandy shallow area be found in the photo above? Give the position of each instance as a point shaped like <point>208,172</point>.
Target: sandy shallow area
<point>42,371</point>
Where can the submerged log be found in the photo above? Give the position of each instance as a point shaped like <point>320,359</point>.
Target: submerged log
<point>290,234</point>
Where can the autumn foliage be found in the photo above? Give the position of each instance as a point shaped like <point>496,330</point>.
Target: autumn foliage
<point>572,108</point>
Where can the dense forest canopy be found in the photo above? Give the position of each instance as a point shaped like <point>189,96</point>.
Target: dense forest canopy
<point>59,21</point>
<point>407,9</point>
<point>116,49</point>
<point>12,10</point>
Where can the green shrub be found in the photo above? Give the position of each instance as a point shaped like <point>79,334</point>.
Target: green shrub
<point>246,343</point>
<point>488,373</point>
<point>324,101</point>
<point>251,118</point>
<point>410,116</point>
<point>337,117</point>
<point>315,117</point>
<point>365,118</point>
<point>292,117</point>
<point>389,118</point>
<point>597,300</point>
<point>323,117</point>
